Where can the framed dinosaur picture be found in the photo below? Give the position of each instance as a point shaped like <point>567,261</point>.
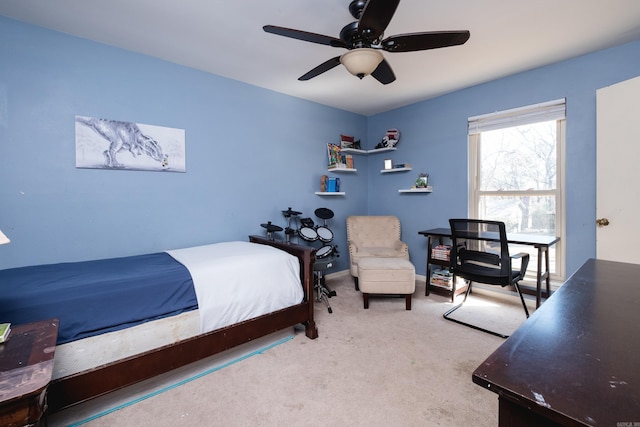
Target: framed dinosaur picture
<point>118,145</point>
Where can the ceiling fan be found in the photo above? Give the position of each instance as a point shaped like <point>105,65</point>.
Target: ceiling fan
<point>364,40</point>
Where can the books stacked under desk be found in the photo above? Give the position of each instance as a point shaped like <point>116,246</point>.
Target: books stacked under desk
<point>441,277</point>
<point>441,252</point>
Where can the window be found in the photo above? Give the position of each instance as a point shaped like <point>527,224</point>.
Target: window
<point>516,174</point>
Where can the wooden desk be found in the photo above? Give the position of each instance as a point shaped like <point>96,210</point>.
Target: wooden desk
<point>541,243</point>
<point>576,360</point>
<point>26,365</point>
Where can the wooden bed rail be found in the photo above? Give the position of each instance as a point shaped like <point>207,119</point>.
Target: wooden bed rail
<point>78,388</point>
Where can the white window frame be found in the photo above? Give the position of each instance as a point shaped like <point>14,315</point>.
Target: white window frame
<point>553,110</point>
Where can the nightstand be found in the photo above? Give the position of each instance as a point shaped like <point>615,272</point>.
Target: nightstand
<point>26,365</point>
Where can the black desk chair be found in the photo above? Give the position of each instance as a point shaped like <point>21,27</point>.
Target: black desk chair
<point>480,253</point>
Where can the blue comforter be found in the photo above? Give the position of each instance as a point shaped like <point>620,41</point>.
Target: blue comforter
<point>93,297</point>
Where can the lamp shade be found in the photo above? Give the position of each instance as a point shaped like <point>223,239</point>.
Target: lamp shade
<point>3,239</point>
<point>361,62</point>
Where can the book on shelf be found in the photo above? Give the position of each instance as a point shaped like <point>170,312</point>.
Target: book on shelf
<point>333,185</point>
<point>348,160</point>
<point>334,154</point>
<point>442,278</point>
<point>441,252</point>
<point>5,329</point>
<point>348,141</point>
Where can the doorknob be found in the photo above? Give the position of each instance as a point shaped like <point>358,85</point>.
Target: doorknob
<point>602,222</point>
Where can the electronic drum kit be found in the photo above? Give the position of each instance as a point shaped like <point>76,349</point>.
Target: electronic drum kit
<point>309,232</point>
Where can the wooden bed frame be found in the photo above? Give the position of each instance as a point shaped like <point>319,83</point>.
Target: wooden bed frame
<point>80,387</point>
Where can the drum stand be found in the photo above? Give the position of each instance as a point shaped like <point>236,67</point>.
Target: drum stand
<point>289,231</point>
<point>323,293</point>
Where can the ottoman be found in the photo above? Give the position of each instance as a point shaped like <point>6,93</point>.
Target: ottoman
<point>386,276</point>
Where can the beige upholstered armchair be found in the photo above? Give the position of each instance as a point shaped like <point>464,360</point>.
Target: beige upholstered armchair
<point>374,236</point>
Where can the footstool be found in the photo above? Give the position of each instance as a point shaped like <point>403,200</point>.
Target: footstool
<point>386,276</point>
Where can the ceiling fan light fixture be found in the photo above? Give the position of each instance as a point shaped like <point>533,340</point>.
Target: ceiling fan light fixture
<point>362,61</point>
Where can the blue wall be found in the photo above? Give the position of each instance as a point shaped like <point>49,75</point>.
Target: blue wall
<point>251,153</point>
<point>434,140</point>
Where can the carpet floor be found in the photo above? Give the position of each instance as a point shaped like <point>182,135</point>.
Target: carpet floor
<point>376,367</point>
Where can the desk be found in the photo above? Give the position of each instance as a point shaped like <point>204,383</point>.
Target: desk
<point>576,360</point>
<point>26,365</point>
<point>541,243</point>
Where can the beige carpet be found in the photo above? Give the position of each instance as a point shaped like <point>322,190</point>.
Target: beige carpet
<point>377,367</point>
<point>481,306</point>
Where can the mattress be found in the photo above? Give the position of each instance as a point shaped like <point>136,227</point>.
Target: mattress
<point>88,353</point>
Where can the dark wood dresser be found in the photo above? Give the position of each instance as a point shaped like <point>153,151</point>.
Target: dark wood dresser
<point>26,366</point>
<point>576,360</point>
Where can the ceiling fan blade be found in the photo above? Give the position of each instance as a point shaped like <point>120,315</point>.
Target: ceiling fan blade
<point>304,36</point>
<point>376,17</point>
<point>384,73</point>
<point>325,66</point>
<point>423,41</point>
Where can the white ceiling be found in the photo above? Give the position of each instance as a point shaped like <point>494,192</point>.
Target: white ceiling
<point>226,38</point>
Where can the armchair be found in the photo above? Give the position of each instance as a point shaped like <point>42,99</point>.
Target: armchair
<point>373,236</point>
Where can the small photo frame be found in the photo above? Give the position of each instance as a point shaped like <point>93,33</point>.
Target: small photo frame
<point>388,164</point>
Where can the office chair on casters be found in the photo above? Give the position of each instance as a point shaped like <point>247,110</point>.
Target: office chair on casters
<point>480,253</point>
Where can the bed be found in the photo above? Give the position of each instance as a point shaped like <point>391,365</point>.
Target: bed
<point>149,314</point>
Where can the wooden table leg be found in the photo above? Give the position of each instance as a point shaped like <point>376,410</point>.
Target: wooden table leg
<point>426,291</point>
<point>540,276</point>
<point>548,278</point>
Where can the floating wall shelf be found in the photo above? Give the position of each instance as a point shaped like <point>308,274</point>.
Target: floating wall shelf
<point>394,170</point>
<point>376,150</point>
<point>332,193</point>
<point>417,190</point>
<point>342,170</point>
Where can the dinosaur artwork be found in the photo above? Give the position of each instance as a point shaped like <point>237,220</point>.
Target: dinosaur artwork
<point>128,146</point>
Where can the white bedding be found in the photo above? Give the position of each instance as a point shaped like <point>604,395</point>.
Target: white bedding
<point>236,281</point>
